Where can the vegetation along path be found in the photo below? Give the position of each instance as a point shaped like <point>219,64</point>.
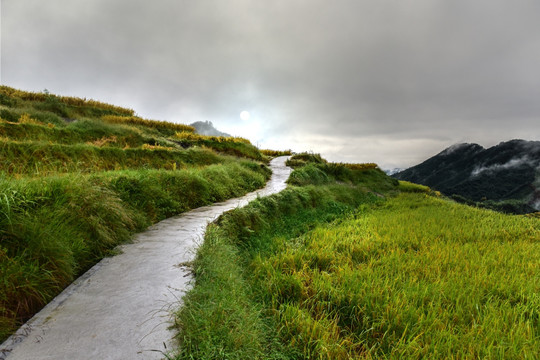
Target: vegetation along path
<point>119,309</point>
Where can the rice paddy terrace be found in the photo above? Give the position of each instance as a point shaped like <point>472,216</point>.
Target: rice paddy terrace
<point>78,177</point>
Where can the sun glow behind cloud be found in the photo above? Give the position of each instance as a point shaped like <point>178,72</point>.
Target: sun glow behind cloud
<point>244,115</point>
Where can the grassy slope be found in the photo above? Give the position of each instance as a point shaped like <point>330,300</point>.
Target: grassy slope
<point>79,177</point>
<point>411,276</point>
<point>415,277</point>
<point>235,322</point>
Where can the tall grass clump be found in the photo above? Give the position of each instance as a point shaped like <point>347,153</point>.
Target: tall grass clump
<point>276,153</point>
<point>78,132</point>
<point>311,169</point>
<point>44,159</point>
<point>169,127</point>
<point>54,228</point>
<point>220,139</point>
<point>302,159</point>
<point>62,105</point>
<point>235,146</point>
<point>158,194</point>
<point>30,116</point>
<point>230,326</point>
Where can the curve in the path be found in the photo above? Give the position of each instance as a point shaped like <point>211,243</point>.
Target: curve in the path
<point>120,309</point>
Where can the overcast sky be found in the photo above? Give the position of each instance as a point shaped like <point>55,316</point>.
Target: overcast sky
<point>386,81</point>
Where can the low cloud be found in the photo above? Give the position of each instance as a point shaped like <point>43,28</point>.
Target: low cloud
<point>513,163</point>
<point>536,205</point>
<point>453,148</point>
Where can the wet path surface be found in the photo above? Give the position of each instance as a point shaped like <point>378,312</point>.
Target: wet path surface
<point>121,308</point>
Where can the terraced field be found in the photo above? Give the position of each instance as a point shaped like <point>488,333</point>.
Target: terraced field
<point>78,177</point>
<point>347,264</point>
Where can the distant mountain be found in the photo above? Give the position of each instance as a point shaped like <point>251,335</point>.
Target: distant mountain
<point>207,128</point>
<point>508,173</point>
<point>392,171</point>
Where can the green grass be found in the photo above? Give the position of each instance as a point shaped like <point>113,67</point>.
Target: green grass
<point>54,228</point>
<point>43,159</point>
<point>276,153</point>
<point>311,169</point>
<point>222,317</point>
<point>225,315</point>
<point>416,277</point>
<point>335,271</point>
<point>163,127</point>
<point>80,131</point>
<point>63,106</point>
<point>235,146</point>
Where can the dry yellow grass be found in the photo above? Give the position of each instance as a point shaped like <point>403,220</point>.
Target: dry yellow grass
<point>268,152</point>
<point>157,147</point>
<point>103,141</point>
<point>220,139</point>
<point>364,166</point>
<point>68,100</point>
<point>135,120</point>
<point>27,119</point>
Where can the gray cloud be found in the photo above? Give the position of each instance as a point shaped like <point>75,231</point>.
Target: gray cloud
<point>386,81</point>
<point>512,163</point>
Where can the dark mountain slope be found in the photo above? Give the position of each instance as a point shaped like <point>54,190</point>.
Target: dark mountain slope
<point>508,171</point>
<point>444,169</point>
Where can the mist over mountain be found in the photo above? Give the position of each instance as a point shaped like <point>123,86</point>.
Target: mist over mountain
<point>392,171</point>
<point>507,174</point>
<point>207,128</point>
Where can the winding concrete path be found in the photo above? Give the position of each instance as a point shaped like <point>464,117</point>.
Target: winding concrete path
<point>121,308</point>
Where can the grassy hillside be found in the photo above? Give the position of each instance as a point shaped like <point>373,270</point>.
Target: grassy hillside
<point>78,177</point>
<point>359,267</point>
